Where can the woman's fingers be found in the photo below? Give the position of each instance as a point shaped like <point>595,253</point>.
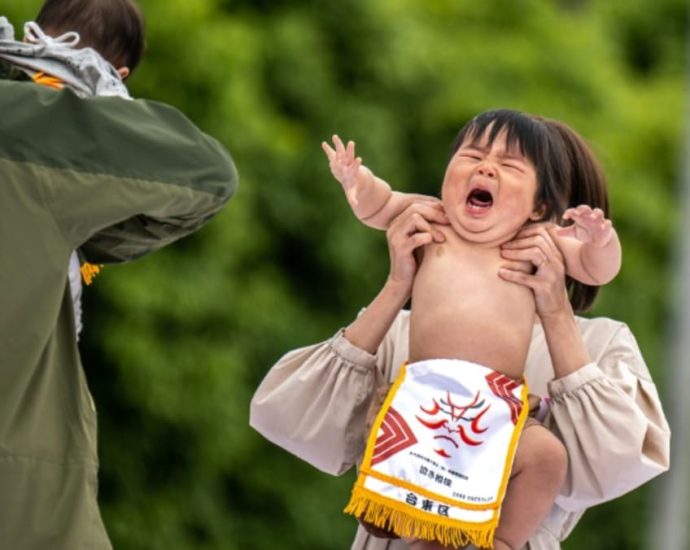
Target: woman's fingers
<point>408,233</point>
<point>426,199</point>
<point>534,256</point>
<point>431,211</point>
<point>518,277</point>
<point>420,217</point>
<point>532,234</point>
<point>516,265</point>
<point>538,250</point>
<point>534,238</point>
<point>419,239</point>
<point>534,250</point>
<point>413,224</point>
<point>535,246</point>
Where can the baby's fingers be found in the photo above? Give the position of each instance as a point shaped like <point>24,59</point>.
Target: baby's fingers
<point>577,212</point>
<point>339,147</point>
<point>584,215</point>
<point>568,214</point>
<point>330,152</point>
<point>597,215</point>
<point>602,232</point>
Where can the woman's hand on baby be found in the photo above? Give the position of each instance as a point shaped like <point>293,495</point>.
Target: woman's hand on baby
<point>412,229</point>
<point>534,244</point>
<point>589,226</point>
<point>347,168</point>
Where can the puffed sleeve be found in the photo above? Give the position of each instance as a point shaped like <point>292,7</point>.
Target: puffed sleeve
<point>609,416</point>
<point>315,400</point>
<point>313,403</point>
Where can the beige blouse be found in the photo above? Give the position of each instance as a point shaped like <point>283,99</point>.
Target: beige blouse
<point>314,403</point>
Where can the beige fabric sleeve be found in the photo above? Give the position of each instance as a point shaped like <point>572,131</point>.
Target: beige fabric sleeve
<point>313,403</point>
<point>610,418</point>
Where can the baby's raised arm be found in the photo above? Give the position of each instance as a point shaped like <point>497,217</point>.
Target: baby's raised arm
<point>590,246</point>
<point>371,199</point>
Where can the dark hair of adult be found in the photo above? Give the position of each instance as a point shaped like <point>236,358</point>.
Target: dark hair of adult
<point>114,28</point>
<point>587,185</point>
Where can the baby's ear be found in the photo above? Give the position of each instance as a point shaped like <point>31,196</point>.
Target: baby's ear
<point>538,212</point>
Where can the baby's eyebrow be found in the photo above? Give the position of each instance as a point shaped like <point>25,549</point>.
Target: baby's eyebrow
<point>507,155</point>
<point>474,147</point>
<point>503,155</point>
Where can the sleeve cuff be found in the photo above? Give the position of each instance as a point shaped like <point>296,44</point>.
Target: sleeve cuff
<point>574,380</point>
<point>351,353</point>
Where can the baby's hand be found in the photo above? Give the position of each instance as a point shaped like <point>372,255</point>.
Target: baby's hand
<point>347,168</point>
<point>589,226</point>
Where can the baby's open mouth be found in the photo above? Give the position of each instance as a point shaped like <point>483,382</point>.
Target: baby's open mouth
<point>480,199</point>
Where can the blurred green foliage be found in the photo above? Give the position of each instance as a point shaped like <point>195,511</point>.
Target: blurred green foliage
<point>176,343</point>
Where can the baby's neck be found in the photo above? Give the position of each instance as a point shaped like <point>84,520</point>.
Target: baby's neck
<point>474,243</point>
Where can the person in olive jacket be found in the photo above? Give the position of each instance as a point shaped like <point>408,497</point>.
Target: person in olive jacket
<point>116,179</point>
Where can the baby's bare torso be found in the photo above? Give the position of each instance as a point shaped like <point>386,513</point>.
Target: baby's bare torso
<point>462,309</point>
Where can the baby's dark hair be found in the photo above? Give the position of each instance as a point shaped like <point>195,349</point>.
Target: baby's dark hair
<point>114,28</point>
<point>533,139</point>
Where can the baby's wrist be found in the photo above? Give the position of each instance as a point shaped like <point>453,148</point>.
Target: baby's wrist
<point>602,242</point>
<point>373,197</point>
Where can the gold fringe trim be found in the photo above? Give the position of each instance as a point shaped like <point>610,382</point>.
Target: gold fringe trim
<point>89,271</point>
<point>405,521</point>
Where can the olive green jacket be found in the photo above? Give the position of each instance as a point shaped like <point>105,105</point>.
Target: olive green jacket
<point>117,179</point>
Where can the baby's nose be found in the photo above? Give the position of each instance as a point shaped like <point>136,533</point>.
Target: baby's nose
<point>487,170</point>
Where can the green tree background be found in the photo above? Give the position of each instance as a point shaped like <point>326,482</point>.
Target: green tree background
<point>176,343</point>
